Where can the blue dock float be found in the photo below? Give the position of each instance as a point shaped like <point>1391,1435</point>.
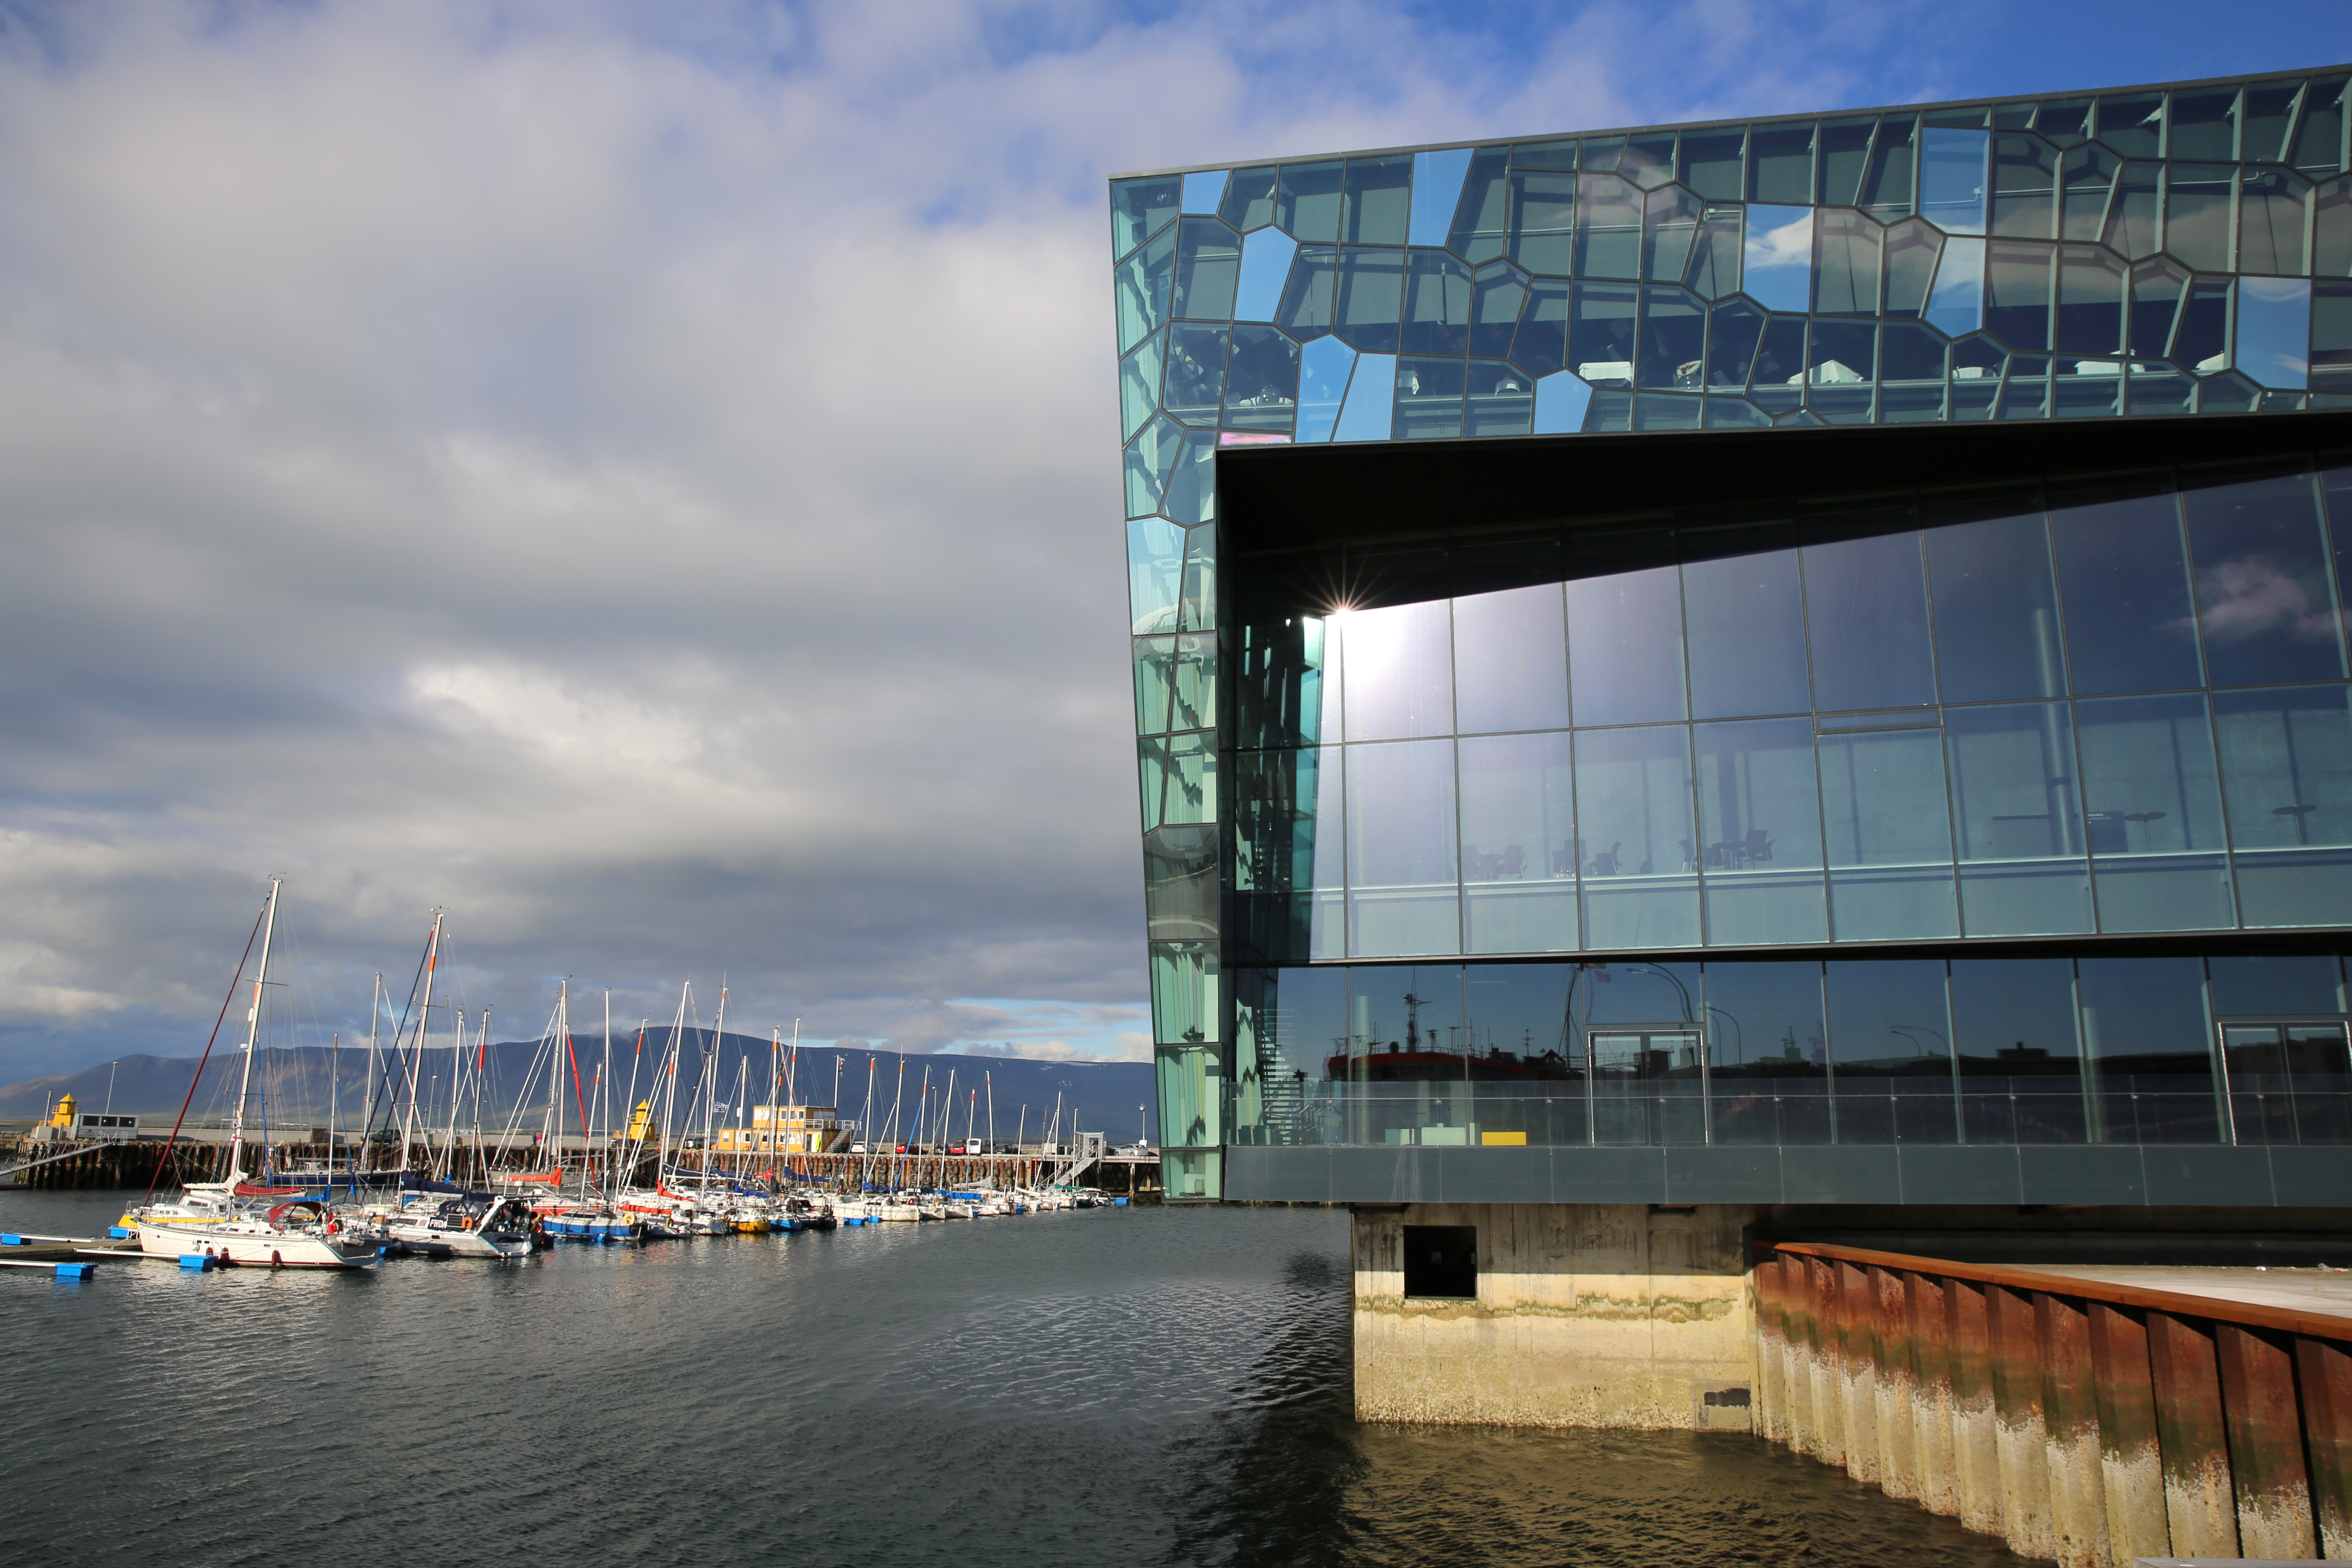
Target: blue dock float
<point>199,1262</point>
<point>77,1271</point>
<point>120,1232</point>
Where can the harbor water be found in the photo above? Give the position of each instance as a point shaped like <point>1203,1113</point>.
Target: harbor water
<point>1107,1387</point>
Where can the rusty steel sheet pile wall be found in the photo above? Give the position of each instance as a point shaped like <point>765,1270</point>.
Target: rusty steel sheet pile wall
<point>2083,1423</point>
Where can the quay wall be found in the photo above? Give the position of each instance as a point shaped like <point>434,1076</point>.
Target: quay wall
<point>2083,1423</point>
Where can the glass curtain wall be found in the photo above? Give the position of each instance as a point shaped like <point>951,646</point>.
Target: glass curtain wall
<point>2058,712</point>
<point>1890,1049</point>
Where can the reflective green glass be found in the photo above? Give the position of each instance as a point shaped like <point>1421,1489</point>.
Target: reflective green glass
<point>2272,208</point>
<point>1955,301</point>
<point>1480,221</point>
<point>1306,310</point>
<point>1673,340</point>
<point>2204,124</point>
<point>1368,300</point>
<point>1501,399</point>
<point>1735,328</point>
<point>1540,346</point>
<point>1891,1076</point>
<point>1191,495</point>
<point>1777,263</point>
<point>1540,233</point>
<point>1306,203</point>
<point>1429,394</point>
<point>1191,1106</point>
<point>1155,573</point>
<point>2018,282</point>
<point>1151,459</point>
<point>2090,301</point>
<point>1437,182</point>
<point>1845,276</point>
<point>1138,385</point>
<point>2317,147</point>
<point>1377,208</point>
<point>1199,567</point>
<point>1952,179</point>
<point>1602,319</point>
<point>1191,769</point>
<point>2133,123</point>
<point>1267,257</point>
<point>1249,200</point>
<point>1498,291</point>
<point>1155,667</point>
<point>1712,162</point>
<point>1324,367</point>
<point>1436,304</point>
<point>2015,1038</point>
<point>1716,253</point>
<point>1886,187</point>
<point>1607,227</point>
<point>2087,178</point>
<point>2147,1046</point>
<point>1911,249</point>
<point>1195,386</point>
<point>1139,208</point>
<point>1184,993</point>
<point>1261,380</point>
<point>2197,214</point>
<point>1180,884</point>
<point>2024,186</point>
<point>2131,226</point>
<point>1669,224</point>
<point>1141,286</point>
<point>1845,151</point>
<point>1208,268</point>
<point>1780,163</point>
<point>1194,682</point>
<point>2274,331</point>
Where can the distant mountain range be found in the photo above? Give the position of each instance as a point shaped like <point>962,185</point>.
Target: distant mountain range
<point>296,1088</point>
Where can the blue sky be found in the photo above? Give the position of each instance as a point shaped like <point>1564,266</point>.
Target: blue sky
<point>645,479</point>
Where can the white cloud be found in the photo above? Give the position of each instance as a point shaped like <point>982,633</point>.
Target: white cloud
<point>642,480</point>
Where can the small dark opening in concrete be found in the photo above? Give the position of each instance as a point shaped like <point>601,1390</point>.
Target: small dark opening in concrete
<point>1441,1260</point>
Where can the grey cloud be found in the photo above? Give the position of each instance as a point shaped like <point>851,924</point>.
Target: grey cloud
<point>641,480</point>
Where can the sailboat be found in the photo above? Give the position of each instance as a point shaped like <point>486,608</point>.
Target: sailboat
<point>228,1219</point>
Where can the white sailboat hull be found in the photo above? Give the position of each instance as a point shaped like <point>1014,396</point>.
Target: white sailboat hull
<point>244,1244</point>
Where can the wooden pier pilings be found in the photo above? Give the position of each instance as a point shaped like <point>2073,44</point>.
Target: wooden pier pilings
<point>2081,1422</point>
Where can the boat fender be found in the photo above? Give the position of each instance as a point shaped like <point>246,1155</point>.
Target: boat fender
<point>275,1261</point>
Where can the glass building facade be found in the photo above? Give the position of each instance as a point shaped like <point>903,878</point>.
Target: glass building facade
<point>1540,750</point>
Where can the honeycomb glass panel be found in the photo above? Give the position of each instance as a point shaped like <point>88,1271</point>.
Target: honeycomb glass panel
<point>2197,214</point>
<point>1713,163</point>
<point>1196,372</point>
<point>1717,251</point>
<point>1208,266</point>
<point>1500,399</point>
<point>1140,287</point>
<point>1846,264</point>
<point>1673,340</point>
<point>1911,370</point>
<point>1438,180</point>
<point>1249,199</point>
<point>1886,187</point>
<point>1481,221</point>
<point>1267,257</point>
<point>1437,302</point>
<point>1541,233</point>
<point>1138,385</point>
<point>1151,459</point>
<point>1191,496</point>
<point>1324,367</point>
<point>1370,412</point>
<point>2132,208</point>
<point>1369,299</point>
<point>2317,140</point>
<point>1191,772</point>
<point>1498,291</point>
<point>1155,573</point>
<point>1669,224</point>
<point>2091,286</point>
<point>1378,205</point>
<point>1184,994</point>
<point>1601,334</point>
<point>2018,279</point>
<point>1428,398</point>
<point>1138,209</point>
<point>1734,330</point>
<point>2204,124</point>
<point>2024,186</point>
<point>1306,202</point>
<point>2273,210</point>
<point>1155,681</point>
<point>2086,182</point>
<point>1780,164</point>
<point>1539,343</point>
<point>2133,123</point>
<point>1306,311</point>
<point>2274,331</point>
<point>1261,380</point>
<point>1777,263</point>
<point>1952,178</point>
<point>1844,148</point>
<point>1607,227</point>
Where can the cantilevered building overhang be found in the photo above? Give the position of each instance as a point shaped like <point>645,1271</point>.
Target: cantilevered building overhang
<point>1790,661</point>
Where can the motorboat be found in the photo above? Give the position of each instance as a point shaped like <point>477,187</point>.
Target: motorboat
<point>434,1226</point>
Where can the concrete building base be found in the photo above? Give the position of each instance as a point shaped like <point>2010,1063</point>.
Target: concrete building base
<point>1623,1315</point>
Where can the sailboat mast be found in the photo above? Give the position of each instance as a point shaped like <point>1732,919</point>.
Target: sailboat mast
<point>375,1011</point>
<point>604,1092</point>
<point>252,1030</point>
<point>432,962</point>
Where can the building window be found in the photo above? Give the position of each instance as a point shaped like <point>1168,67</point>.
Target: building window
<point>1440,1261</point>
